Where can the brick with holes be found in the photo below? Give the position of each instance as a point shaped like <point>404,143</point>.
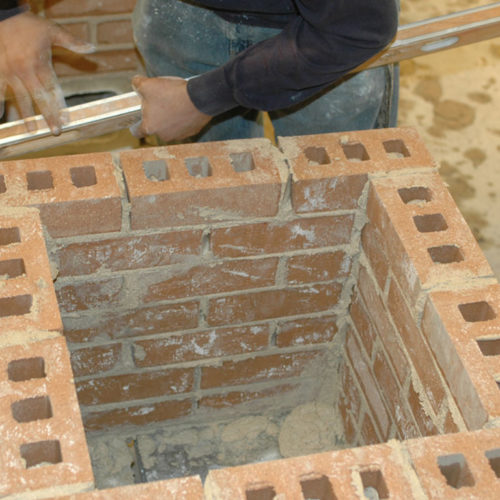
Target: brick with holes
<point>330,170</point>
<point>465,465</point>
<point>43,443</point>
<point>462,327</point>
<point>340,474</point>
<point>76,194</point>
<point>27,299</point>
<point>424,235</point>
<point>206,182</point>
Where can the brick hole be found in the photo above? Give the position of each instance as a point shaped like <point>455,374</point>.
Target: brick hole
<point>20,370</point>
<point>12,268</point>
<point>374,480</point>
<point>456,471</point>
<point>28,410</point>
<point>262,493</point>
<point>3,187</point>
<point>430,223</point>
<point>198,167</point>
<point>445,254</point>
<point>83,176</point>
<point>15,306</point>
<point>477,311</point>
<point>493,457</point>
<point>489,347</point>
<point>9,235</point>
<point>318,488</point>
<point>396,148</point>
<point>156,170</point>
<point>41,452</point>
<point>417,194</point>
<point>40,180</point>
<point>317,155</point>
<point>242,162</point>
<point>355,152</point>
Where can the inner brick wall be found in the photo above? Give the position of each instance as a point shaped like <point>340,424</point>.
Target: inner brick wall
<point>196,280</point>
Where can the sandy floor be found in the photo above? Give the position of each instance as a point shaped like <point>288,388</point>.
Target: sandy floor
<point>451,98</point>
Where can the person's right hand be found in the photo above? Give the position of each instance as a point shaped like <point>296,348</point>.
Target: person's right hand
<point>26,42</point>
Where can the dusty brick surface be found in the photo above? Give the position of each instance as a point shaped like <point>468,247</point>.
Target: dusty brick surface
<point>66,189</point>
<point>27,297</point>
<point>200,183</point>
<point>43,443</point>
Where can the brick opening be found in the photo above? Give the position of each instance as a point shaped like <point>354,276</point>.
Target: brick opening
<point>28,410</point>
<point>289,314</point>
<point>21,370</point>
<point>12,268</point>
<point>156,170</point>
<point>41,180</point>
<point>396,149</point>
<point>493,457</point>
<point>456,470</point>
<point>41,453</point>
<point>83,176</point>
<point>3,187</point>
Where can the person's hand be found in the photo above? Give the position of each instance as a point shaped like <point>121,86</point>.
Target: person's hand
<point>26,42</point>
<point>167,110</point>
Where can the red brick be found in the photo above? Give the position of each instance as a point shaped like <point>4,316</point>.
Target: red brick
<point>362,323</point>
<point>278,237</point>
<point>257,369</point>
<point>422,415</point>
<point>373,247</point>
<point>118,388</point>
<point>464,459</point>
<point>209,279</point>
<point>323,156</point>
<point>126,253</point>
<point>103,61</point>
<point>272,304</point>
<point>368,384</point>
<point>350,397</point>
<point>318,267</point>
<point>135,323</point>
<point>368,432</point>
<point>136,415</point>
<point>341,474</point>
<point>416,345</point>
<point>88,202</point>
<point>226,194</point>
<point>234,398</point>
<point>379,316</point>
<point>117,31</point>
<point>454,341</point>
<point>27,297</point>
<point>84,295</point>
<point>306,331</point>
<point>43,446</point>
<point>74,8</point>
<point>414,230</point>
<point>78,30</point>
<point>96,359</point>
<point>183,488</point>
<point>200,345</point>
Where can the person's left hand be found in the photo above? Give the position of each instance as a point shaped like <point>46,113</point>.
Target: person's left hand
<point>167,109</point>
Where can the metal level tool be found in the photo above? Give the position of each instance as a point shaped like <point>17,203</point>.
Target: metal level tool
<point>115,113</point>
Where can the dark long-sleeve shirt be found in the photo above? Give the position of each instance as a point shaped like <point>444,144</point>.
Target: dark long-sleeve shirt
<point>320,42</point>
<point>9,8</point>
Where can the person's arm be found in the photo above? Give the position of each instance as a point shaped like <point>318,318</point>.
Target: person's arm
<point>26,42</point>
<point>327,41</point>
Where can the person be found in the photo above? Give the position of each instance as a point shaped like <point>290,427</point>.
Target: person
<point>26,70</point>
<point>290,58</point>
<point>213,64</point>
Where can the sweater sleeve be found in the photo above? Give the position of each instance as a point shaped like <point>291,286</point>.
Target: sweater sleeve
<point>9,8</point>
<point>323,43</point>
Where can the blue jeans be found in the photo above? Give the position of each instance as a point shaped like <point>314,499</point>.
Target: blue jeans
<point>179,38</point>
